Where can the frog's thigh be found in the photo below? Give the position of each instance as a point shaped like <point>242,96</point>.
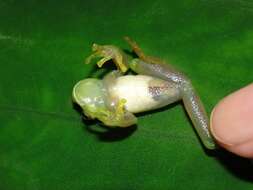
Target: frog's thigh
<point>164,92</point>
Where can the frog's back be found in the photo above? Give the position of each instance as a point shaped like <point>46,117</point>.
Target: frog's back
<point>143,93</point>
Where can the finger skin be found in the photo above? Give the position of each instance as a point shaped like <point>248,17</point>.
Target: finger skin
<point>232,122</point>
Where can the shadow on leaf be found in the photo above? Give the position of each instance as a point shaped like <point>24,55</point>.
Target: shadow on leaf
<point>239,167</point>
<point>104,133</point>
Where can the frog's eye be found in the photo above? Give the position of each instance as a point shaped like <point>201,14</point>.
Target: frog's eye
<point>89,92</point>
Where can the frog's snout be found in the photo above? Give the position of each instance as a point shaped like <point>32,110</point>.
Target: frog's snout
<point>88,92</point>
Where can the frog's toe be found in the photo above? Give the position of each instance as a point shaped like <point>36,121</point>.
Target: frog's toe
<point>102,61</point>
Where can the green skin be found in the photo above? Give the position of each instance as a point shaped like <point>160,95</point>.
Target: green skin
<point>93,95</point>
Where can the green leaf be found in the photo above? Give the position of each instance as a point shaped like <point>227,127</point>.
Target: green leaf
<point>44,144</point>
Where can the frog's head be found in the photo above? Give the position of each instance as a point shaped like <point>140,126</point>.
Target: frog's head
<point>89,94</point>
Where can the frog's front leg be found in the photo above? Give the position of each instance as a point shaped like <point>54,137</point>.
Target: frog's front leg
<point>109,52</point>
<point>194,107</point>
<point>119,116</point>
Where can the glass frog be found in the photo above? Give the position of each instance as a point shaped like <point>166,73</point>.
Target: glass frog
<point>117,97</point>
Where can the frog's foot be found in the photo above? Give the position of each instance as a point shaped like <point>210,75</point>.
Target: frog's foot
<point>109,52</point>
<point>136,48</point>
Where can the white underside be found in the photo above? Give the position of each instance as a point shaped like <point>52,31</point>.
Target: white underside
<point>134,89</point>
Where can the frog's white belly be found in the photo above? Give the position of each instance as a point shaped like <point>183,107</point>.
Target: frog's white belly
<point>135,90</point>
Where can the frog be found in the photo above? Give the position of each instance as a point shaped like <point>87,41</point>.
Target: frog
<point>115,99</point>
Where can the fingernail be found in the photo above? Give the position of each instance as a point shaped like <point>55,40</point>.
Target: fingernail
<point>231,120</point>
<point>214,130</point>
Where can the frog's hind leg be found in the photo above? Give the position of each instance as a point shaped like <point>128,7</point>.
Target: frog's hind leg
<point>135,47</point>
<point>154,67</point>
<point>138,51</point>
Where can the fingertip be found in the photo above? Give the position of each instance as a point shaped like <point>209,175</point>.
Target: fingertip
<point>231,122</point>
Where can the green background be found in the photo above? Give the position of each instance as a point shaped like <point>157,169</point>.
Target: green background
<point>44,144</point>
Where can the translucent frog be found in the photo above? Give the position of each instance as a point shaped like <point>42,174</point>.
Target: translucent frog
<point>117,97</point>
